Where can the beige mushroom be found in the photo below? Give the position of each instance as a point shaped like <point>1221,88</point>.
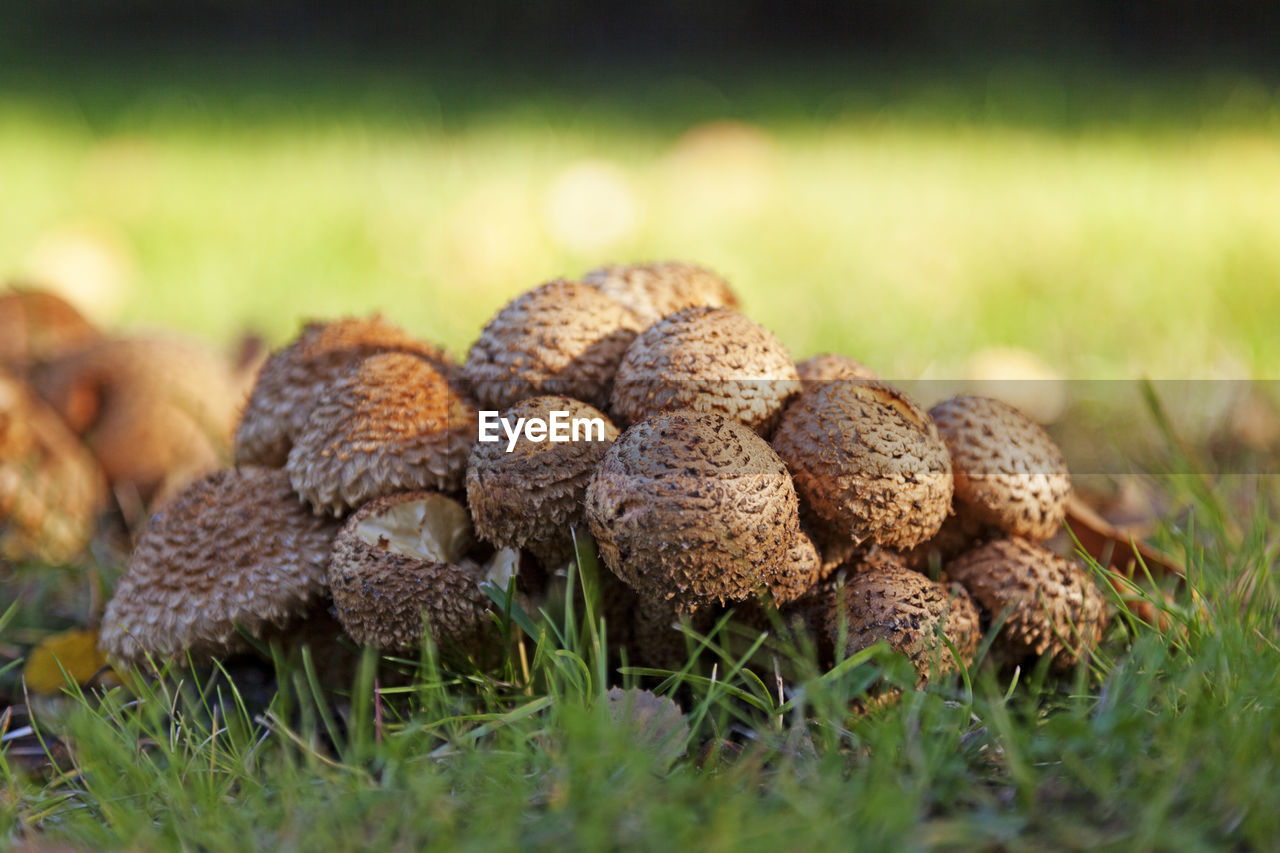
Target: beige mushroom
<point>654,290</point>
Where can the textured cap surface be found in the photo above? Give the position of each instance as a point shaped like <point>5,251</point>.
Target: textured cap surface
<point>402,557</point>
<point>654,290</point>
<point>531,497</point>
<point>155,411</point>
<point>235,548</point>
<point>51,488</point>
<point>706,360</point>
<point>1008,471</point>
<point>910,613</point>
<point>391,423</point>
<point>829,367</point>
<point>1054,608</point>
<point>867,459</point>
<point>693,508</point>
<point>562,337</point>
<point>293,378</point>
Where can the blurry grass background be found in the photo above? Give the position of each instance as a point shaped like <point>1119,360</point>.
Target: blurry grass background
<point>1113,222</point>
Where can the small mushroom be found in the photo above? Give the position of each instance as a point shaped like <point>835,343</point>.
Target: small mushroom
<point>829,367</point>
<point>156,412</point>
<point>1049,603</point>
<point>654,290</point>
<point>37,326</point>
<point>959,533</point>
<point>707,360</point>
<point>1008,472</point>
<point>529,495</point>
<point>562,337</point>
<point>391,423</point>
<point>235,550</point>
<point>799,573</point>
<point>402,559</point>
<point>909,612</point>
<point>692,508</point>
<point>51,488</point>
<point>293,378</point>
<point>867,460</point>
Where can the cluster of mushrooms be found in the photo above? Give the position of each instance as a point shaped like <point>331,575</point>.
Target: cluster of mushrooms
<point>727,476</point>
<point>90,422</point>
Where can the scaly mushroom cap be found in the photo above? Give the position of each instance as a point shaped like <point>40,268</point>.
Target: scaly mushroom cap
<point>532,497</point>
<point>868,460</point>
<point>294,377</point>
<point>654,290</point>
<point>391,423</point>
<point>692,508</point>
<point>234,549</point>
<point>799,573</point>
<point>157,412</point>
<point>36,326</point>
<point>829,367</point>
<point>910,613</point>
<point>401,558</point>
<point>1008,471</point>
<point>1054,608</point>
<point>562,337</point>
<point>706,360</point>
<point>51,488</point>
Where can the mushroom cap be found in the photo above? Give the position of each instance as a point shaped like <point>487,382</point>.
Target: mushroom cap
<point>868,460</point>
<point>36,325</point>
<point>830,367</point>
<point>1008,471</point>
<point>655,289</point>
<point>391,423</point>
<point>401,557</point>
<point>562,337</point>
<point>531,497</point>
<point>692,508</point>
<point>235,548</point>
<point>1054,608</point>
<point>51,488</point>
<point>799,573</point>
<point>705,359</point>
<point>293,378</point>
<point>909,612</point>
<point>156,412</point>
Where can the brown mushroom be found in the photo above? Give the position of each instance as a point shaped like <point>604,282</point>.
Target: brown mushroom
<point>156,412</point>
<point>391,423</point>
<point>1008,472</point>
<point>707,360</point>
<point>562,338</point>
<point>868,461</point>
<point>692,508</point>
<point>400,563</point>
<point>829,367</point>
<point>527,492</point>
<point>654,290</point>
<point>1049,604</point>
<point>51,488</point>
<point>235,551</point>
<point>293,378</point>
<point>36,326</point>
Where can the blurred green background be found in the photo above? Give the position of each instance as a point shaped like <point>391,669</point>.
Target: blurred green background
<point>870,187</point>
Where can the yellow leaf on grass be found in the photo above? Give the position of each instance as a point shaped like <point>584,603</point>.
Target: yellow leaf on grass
<point>74,652</point>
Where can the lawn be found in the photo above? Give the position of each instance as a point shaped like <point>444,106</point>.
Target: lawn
<point>1113,224</point>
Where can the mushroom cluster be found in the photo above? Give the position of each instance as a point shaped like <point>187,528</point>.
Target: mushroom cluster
<point>382,482</point>
<point>93,423</point>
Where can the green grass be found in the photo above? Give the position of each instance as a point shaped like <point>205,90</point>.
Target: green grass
<point>1167,741</point>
